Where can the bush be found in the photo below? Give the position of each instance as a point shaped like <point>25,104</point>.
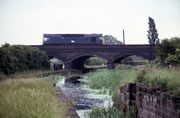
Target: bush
<point>19,58</point>
<point>167,51</point>
<point>159,83</point>
<point>140,77</point>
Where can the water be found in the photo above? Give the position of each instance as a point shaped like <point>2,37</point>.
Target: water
<point>84,98</point>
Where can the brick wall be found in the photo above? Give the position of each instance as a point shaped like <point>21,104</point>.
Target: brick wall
<point>148,103</point>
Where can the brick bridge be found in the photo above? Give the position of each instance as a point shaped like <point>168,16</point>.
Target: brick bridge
<point>74,56</point>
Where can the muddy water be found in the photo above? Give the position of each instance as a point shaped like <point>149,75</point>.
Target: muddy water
<point>84,98</point>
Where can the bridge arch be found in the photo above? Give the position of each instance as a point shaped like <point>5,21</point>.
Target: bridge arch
<point>122,56</point>
<point>118,58</point>
<point>77,62</point>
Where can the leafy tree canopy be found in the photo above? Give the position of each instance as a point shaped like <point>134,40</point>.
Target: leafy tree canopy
<point>21,58</point>
<point>168,51</point>
<point>111,40</point>
<point>152,32</point>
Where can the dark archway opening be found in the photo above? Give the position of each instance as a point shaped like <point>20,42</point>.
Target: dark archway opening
<point>133,60</point>
<point>88,63</point>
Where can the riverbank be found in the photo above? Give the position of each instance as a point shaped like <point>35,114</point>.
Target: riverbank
<point>33,74</point>
<point>30,98</point>
<point>154,78</point>
<point>32,94</point>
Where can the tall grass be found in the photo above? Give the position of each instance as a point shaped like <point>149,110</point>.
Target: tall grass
<point>111,79</point>
<point>159,78</point>
<point>29,98</point>
<point>166,79</point>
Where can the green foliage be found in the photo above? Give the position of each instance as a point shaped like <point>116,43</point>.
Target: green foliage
<point>111,40</point>
<point>94,61</point>
<point>159,83</point>
<point>29,98</point>
<point>110,112</point>
<point>168,51</point>
<point>141,76</point>
<point>152,32</point>
<point>162,79</point>
<point>110,79</point>
<point>173,59</point>
<point>18,58</point>
<point>126,60</point>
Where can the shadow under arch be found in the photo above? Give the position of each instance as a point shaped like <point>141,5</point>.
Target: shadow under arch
<point>77,62</point>
<point>119,58</point>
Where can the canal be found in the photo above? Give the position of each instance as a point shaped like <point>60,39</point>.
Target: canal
<point>85,99</point>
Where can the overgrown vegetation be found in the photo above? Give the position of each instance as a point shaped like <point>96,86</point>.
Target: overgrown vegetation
<point>18,58</point>
<point>29,98</point>
<point>168,52</point>
<point>162,79</point>
<point>110,112</point>
<point>162,75</point>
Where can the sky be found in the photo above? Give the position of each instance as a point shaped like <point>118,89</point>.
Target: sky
<point>25,21</point>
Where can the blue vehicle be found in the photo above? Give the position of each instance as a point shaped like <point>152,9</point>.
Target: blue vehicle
<point>72,39</point>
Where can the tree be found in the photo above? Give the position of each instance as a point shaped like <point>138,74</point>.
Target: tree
<point>168,51</point>
<point>111,40</point>
<point>152,32</point>
<point>18,58</point>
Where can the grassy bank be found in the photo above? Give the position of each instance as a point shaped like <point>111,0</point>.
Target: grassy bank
<point>31,74</point>
<point>29,98</point>
<point>163,79</point>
